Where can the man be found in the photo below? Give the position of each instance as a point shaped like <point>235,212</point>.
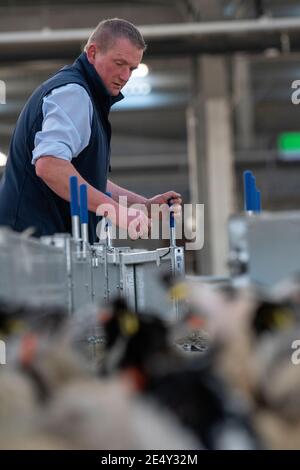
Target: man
<point>64,130</point>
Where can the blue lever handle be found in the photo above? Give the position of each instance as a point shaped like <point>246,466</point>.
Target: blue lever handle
<point>172,218</point>
<point>257,207</point>
<point>84,217</point>
<point>74,195</point>
<point>249,191</point>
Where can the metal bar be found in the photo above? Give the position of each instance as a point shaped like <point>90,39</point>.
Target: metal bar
<point>161,31</point>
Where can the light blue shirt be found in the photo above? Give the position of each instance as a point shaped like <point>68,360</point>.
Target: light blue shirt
<point>66,127</point>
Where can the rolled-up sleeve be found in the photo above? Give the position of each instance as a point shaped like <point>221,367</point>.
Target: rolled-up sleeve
<point>66,127</point>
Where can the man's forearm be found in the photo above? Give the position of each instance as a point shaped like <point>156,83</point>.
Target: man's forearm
<point>56,173</point>
<point>132,198</point>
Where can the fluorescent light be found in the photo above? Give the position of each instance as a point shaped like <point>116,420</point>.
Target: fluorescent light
<point>137,87</point>
<point>141,71</point>
<point>3,159</point>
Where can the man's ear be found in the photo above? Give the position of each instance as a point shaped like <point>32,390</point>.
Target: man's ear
<point>91,53</point>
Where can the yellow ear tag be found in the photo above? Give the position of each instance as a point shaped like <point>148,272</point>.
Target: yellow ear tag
<point>129,324</point>
<point>283,318</point>
<point>179,291</point>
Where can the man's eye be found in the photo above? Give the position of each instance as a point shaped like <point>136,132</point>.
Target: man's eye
<point>119,63</point>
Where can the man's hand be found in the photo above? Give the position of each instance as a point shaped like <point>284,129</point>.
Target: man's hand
<point>138,224</point>
<point>174,198</point>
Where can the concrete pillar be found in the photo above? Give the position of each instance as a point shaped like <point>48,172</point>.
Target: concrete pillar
<point>243,101</point>
<point>210,157</point>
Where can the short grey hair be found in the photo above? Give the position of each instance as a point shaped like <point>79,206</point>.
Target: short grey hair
<point>107,31</point>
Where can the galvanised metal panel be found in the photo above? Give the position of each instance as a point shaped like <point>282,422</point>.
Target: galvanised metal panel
<point>142,278</point>
<point>264,248</point>
<point>81,278</point>
<point>31,272</point>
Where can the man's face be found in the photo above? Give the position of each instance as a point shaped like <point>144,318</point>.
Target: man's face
<point>116,65</point>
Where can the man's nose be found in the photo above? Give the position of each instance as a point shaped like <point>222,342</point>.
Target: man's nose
<point>125,75</point>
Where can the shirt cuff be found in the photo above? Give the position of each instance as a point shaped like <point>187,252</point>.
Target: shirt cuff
<point>56,150</point>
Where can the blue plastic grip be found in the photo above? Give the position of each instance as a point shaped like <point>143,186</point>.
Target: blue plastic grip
<point>257,206</point>
<point>84,218</point>
<point>249,191</point>
<point>74,195</point>
<point>172,219</point>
